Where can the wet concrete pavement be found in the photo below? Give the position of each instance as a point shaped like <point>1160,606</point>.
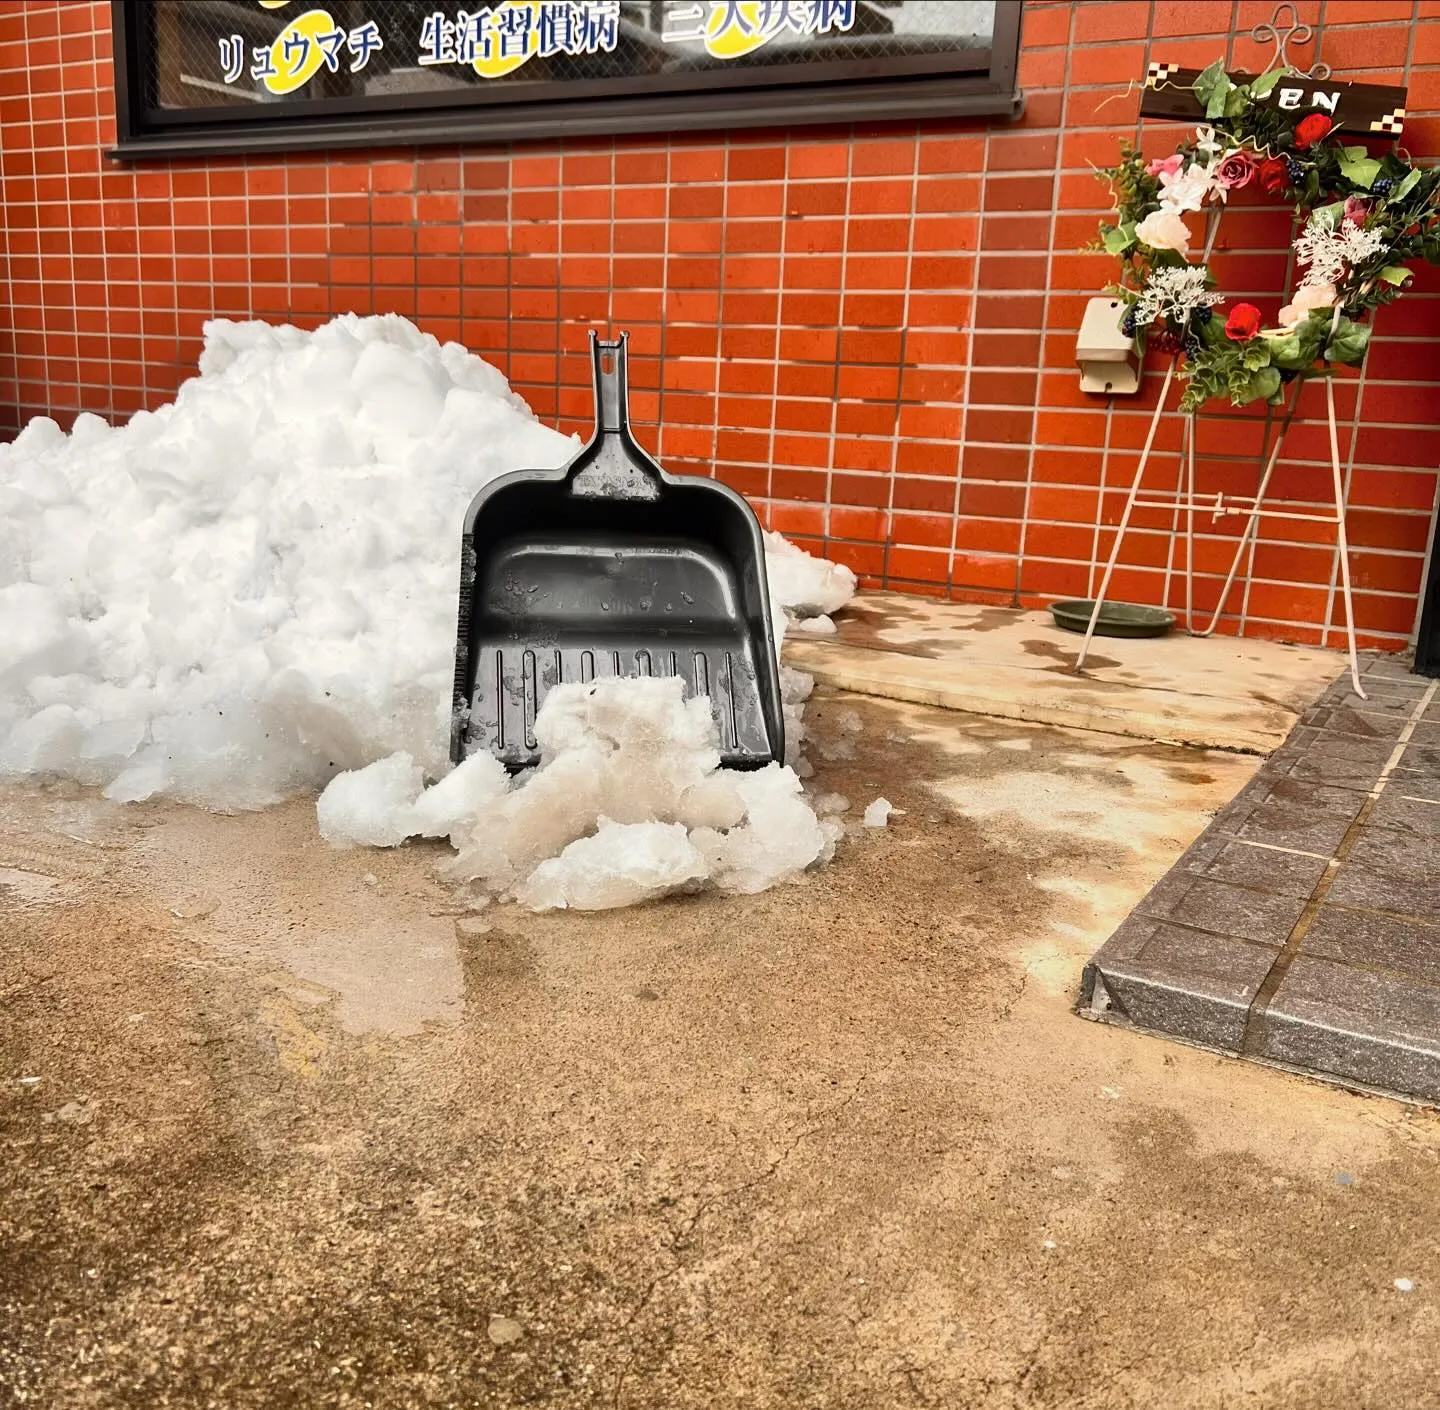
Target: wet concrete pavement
<point>277,1135</point>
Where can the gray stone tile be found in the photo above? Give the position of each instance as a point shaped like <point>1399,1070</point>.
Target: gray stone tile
<point>1296,743</point>
<point>1296,827</point>
<point>1375,725</point>
<point>1394,667</point>
<point>1380,702</point>
<point>1363,939</point>
<point>1394,810</point>
<point>1347,746</point>
<point>1228,859</point>
<point>1337,771</point>
<point>1224,909</point>
<point>1374,891</point>
<point>1178,982</point>
<point>1368,1028</point>
<point>1314,796</point>
<point>1404,856</point>
<point>1422,758</point>
<point>1413,783</point>
<point>1426,734</point>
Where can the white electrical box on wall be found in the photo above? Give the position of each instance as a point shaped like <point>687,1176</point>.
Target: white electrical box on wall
<point>1109,362</point>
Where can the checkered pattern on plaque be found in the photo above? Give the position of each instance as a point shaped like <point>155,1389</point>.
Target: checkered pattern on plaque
<point>1393,123</point>
<point>1158,74</point>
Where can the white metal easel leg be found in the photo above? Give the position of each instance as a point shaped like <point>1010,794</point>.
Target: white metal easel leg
<point>1342,541</point>
<point>1125,517</point>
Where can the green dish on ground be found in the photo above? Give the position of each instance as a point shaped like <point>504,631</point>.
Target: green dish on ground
<point>1116,618</point>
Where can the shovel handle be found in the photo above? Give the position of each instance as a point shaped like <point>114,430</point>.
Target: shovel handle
<point>612,466</point>
<point>612,390</point>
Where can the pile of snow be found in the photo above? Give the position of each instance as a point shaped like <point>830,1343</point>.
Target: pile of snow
<point>629,802</point>
<point>231,599</point>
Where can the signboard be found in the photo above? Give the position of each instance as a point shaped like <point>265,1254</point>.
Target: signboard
<point>1368,109</point>
<point>249,66</point>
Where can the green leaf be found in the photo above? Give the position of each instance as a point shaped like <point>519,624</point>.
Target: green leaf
<point>1312,187</point>
<point>1406,186</point>
<point>1262,86</point>
<point>1118,239</point>
<point>1219,97</point>
<point>1293,351</point>
<point>1265,383</point>
<point>1358,167</point>
<point>1331,213</point>
<point>1349,343</point>
<point>1395,274</point>
<point>1209,79</point>
<point>1256,355</point>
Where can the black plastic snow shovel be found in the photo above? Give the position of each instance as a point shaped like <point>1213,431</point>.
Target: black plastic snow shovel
<point>609,566</point>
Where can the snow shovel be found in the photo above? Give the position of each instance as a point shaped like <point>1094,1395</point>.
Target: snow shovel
<point>610,566</point>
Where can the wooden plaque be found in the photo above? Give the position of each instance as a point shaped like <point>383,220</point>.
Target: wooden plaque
<point>1367,109</point>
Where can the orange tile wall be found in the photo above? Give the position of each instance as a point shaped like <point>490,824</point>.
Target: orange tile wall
<point>869,331</point>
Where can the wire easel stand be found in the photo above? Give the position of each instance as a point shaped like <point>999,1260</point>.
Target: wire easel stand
<point>1219,506</point>
<point>1254,506</point>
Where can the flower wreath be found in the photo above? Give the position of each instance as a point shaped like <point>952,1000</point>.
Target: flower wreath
<point>1364,219</point>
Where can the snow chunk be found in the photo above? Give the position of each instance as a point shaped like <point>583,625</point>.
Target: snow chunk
<point>374,806</point>
<point>878,813</point>
<point>452,805</point>
<point>802,584</point>
<point>621,864</point>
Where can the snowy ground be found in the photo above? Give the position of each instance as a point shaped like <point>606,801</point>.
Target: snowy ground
<point>251,590</point>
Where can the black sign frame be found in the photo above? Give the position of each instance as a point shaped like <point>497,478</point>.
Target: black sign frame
<point>873,89</point>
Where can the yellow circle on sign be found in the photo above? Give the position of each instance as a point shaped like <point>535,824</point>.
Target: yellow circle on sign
<point>273,4</point>
<point>311,25</point>
<point>495,66</point>
<point>736,41</point>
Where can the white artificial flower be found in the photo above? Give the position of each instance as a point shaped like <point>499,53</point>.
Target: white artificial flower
<point>1329,252</point>
<point>1175,293</point>
<point>1206,143</point>
<point>1185,190</point>
<point>1164,230</point>
<point>1307,297</point>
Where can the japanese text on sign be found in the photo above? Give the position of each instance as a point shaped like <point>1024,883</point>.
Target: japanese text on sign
<point>307,44</point>
<point>519,30</point>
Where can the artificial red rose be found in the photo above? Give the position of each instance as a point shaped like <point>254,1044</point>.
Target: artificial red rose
<point>1274,176</point>
<point>1243,323</point>
<point>1311,129</point>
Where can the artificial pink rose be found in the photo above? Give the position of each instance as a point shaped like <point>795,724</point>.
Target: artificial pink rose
<point>1356,209</point>
<point>1165,166</point>
<point>1235,170</point>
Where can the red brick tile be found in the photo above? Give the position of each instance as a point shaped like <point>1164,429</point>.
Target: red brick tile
<point>1045,27</point>
<point>1118,19</point>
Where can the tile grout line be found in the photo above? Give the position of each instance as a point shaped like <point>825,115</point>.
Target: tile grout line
<point>1253,1041</point>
